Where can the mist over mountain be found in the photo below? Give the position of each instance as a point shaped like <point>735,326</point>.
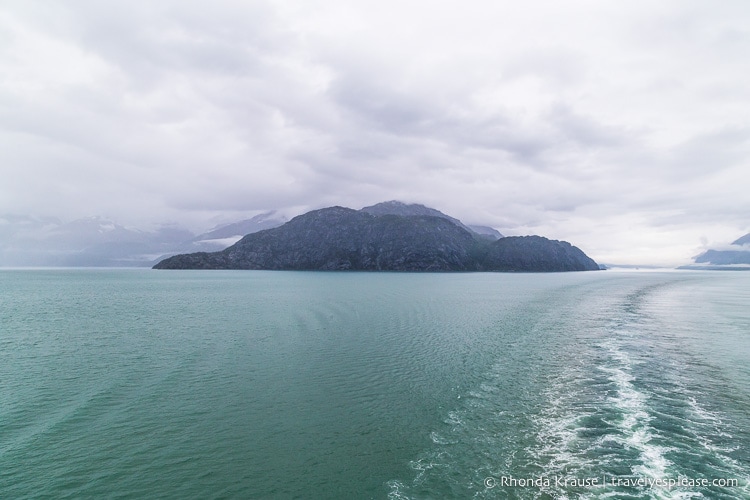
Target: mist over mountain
<point>92,241</point>
<point>97,241</point>
<point>486,232</point>
<point>265,220</point>
<point>223,235</point>
<point>376,239</point>
<point>733,256</point>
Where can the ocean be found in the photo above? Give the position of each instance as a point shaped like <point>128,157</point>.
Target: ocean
<point>253,384</point>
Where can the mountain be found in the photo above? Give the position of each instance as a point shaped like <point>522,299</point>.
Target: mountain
<point>92,241</point>
<point>224,235</point>
<point>97,241</point>
<point>394,207</point>
<point>738,253</point>
<point>536,254</point>
<point>486,232</point>
<point>339,238</point>
<point>260,222</point>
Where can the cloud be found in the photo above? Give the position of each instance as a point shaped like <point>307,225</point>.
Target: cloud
<point>613,126</point>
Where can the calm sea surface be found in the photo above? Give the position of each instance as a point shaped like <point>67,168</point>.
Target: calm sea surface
<point>223,384</point>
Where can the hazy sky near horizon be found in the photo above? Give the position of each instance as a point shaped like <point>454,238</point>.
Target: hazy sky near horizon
<point>622,127</point>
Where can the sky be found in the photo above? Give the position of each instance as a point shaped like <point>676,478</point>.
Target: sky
<point>622,127</point>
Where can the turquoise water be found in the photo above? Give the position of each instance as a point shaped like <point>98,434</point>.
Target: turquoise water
<point>195,384</point>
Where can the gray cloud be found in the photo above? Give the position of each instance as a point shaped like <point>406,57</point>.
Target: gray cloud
<point>622,128</point>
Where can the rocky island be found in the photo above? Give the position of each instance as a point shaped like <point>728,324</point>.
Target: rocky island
<point>390,236</point>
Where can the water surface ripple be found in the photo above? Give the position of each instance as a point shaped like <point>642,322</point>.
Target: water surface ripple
<point>189,384</point>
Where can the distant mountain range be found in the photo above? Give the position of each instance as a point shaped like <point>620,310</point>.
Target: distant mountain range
<point>389,236</point>
<point>734,256</point>
<point>96,241</point>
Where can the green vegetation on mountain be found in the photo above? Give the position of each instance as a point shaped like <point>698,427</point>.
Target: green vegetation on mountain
<point>340,238</point>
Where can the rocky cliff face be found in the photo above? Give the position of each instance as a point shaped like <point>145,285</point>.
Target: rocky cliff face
<point>340,238</point>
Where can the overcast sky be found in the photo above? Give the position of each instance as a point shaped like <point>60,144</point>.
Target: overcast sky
<point>622,127</point>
